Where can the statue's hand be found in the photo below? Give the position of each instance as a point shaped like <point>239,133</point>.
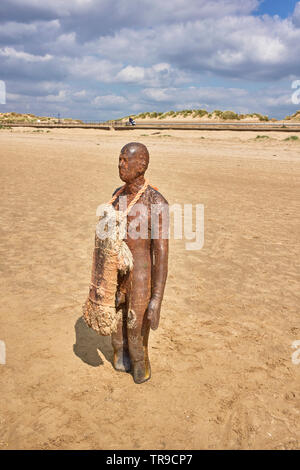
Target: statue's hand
<point>153,312</point>
<point>93,293</point>
<point>120,299</point>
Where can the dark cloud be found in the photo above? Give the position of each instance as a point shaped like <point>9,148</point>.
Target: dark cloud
<point>93,18</point>
<point>25,11</point>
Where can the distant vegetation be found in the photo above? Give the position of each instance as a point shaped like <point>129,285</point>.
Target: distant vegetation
<point>294,117</point>
<point>9,118</point>
<point>200,113</point>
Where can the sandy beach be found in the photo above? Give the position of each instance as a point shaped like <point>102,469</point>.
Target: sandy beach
<point>222,369</point>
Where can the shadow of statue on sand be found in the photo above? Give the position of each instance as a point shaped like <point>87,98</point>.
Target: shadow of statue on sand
<point>88,342</point>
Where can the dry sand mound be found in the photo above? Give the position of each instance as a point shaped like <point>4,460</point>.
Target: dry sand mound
<point>294,117</point>
<point>199,115</point>
<point>31,118</point>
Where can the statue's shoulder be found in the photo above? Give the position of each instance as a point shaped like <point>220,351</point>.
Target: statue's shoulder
<point>116,190</point>
<point>156,197</point>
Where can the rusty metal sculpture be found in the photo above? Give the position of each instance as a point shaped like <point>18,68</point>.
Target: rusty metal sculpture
<point>128,281</point>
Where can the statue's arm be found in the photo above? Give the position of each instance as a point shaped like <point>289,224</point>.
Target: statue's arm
<point>159,268</point>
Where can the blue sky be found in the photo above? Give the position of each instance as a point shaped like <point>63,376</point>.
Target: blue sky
<point>98,60</point>
<point>283,8</point>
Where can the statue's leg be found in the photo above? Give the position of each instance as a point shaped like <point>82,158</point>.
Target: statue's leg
<point>138,328</point>
<point>119,341</point>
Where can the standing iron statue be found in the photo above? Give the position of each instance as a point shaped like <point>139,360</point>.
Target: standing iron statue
<point>130,265</point>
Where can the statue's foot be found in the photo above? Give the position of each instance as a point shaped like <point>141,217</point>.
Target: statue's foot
<point>141,371</point>
<point>122,361</point>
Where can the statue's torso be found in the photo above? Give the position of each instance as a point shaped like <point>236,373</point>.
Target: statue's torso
<point>140,281</point>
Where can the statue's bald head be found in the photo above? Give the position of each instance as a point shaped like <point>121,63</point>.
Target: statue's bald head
<point>133,161</point>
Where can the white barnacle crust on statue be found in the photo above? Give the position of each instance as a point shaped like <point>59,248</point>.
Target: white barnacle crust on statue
<point>111,255</point>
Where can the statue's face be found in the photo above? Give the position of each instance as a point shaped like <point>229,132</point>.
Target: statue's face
<point>129,166</point>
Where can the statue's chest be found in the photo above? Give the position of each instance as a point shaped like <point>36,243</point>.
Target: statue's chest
<point>138,218</point>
